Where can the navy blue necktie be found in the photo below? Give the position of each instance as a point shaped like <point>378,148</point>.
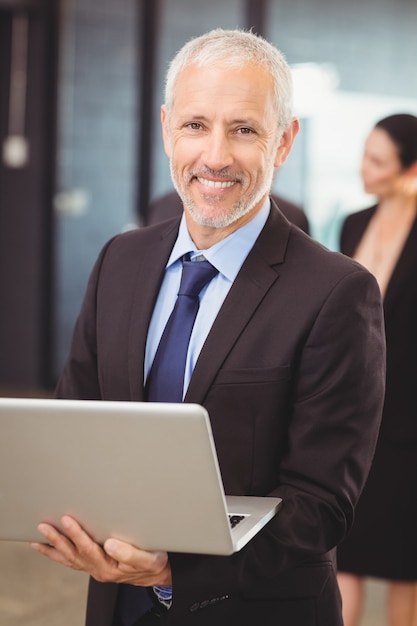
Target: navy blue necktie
<point>166,377</point>
<point>165,384</point>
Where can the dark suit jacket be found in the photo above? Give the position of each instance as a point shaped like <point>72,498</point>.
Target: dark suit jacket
<point>292,375</point>
<point>170,205</point>
<point>399,421</point>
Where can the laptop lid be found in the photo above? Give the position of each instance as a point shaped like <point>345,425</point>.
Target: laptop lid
<point>146,473</point>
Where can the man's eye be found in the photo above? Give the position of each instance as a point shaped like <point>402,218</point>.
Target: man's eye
<point>194,125</point>
<point>245,131</point>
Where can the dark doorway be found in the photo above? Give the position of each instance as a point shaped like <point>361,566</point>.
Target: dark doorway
<point>27,105</point>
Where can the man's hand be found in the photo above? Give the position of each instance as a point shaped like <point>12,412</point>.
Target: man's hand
<point>116,561</point>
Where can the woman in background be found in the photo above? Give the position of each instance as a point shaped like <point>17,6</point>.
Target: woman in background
<point>383,238</point>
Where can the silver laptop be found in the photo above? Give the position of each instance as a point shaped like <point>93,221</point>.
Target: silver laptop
<point>146,473</point>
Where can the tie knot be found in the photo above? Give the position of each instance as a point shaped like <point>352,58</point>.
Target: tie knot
<point>195,275</point>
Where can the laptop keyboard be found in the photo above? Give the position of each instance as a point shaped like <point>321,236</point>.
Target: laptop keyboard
<point>235,519</point>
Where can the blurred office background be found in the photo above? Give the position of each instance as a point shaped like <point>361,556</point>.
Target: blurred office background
<point>81,155</point>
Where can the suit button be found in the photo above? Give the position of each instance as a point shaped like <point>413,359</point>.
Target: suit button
<point>194,607</point>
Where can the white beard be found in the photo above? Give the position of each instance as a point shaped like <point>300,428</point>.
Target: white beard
<point>212,214</point>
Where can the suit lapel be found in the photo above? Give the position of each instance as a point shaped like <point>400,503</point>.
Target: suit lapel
<point>357,224</point>
<point>405,265</point>
<point>154,254</point>
<point>256,277</point>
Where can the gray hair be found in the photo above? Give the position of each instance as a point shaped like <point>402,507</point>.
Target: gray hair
<point>234,49</point>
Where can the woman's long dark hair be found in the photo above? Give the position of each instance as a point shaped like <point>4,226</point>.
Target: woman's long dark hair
<point>402,128</point>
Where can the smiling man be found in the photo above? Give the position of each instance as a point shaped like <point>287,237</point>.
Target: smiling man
<point>286,353</point>
<point>223,158</point>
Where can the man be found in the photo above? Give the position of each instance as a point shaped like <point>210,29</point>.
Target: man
<point>170,204</point>
<point>286,354</point>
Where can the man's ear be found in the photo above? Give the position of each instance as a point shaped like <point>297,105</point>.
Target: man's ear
<point>286,142</point>
<point>165,131</point>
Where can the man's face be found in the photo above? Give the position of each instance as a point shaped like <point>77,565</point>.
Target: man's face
<point>222,140</point>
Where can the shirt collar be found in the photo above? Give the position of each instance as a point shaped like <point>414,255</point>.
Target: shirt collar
<point>227,255</point>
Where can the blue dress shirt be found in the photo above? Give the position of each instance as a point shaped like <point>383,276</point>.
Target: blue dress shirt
<point>227,256</point>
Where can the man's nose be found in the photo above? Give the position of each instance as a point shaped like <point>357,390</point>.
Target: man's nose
<point>218,151</point>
